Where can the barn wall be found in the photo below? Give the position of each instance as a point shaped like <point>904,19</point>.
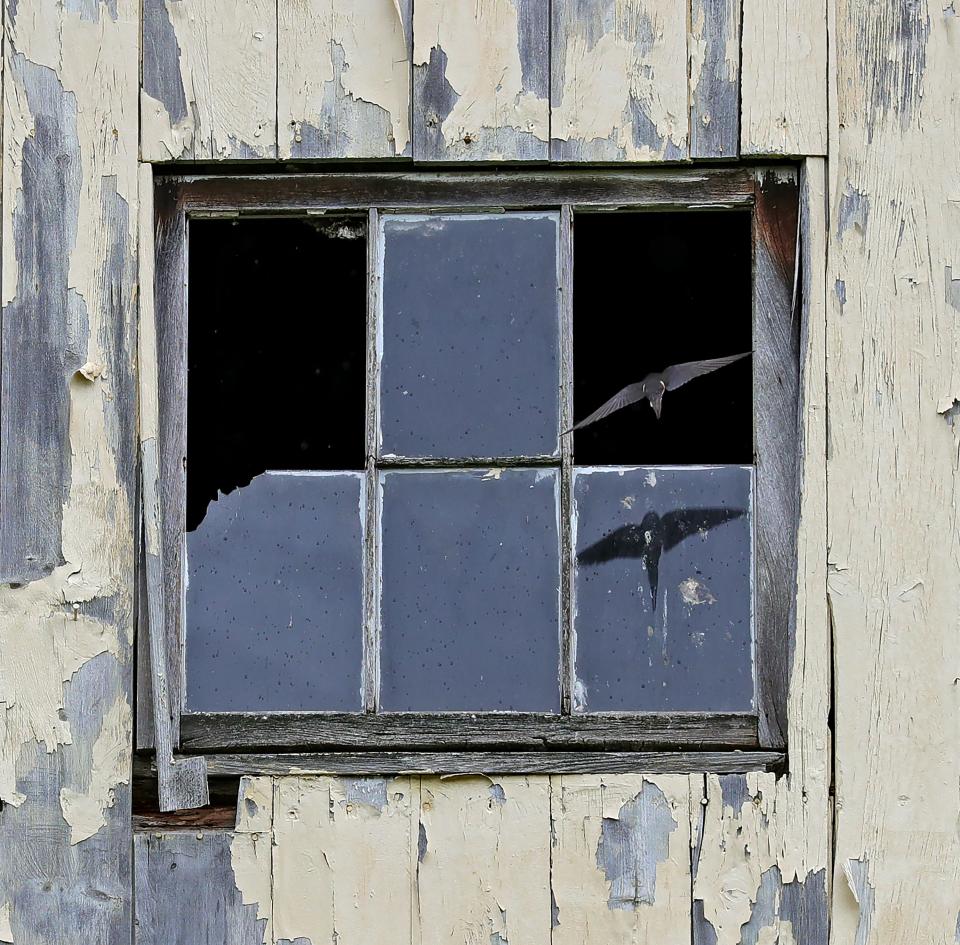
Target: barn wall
<point>594,859</point>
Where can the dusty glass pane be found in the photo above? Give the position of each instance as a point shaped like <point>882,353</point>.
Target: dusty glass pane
<point>275,600</point>
<point>470,591</point>
<point>469,363</point>
<point>663,589</point>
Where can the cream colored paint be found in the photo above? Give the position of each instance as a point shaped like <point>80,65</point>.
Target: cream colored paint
<point>376,70</point>
<point>343,869</point>
<point>486,870</point>
<point>894,472</point>
<point>228,67</point>
<point>109,766</point>
<point>580,803</point>
<point>45,634</point>
<point>783,77</point>
<point>602,79</point>
<point>251,850</point>
<point>6,933</point>
<point>481,42</point>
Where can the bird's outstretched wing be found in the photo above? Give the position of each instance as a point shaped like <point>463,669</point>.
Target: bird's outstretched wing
<point>682,523</point>
<point>627,541</point>
<point>629,395</point>
<point>678,374</point>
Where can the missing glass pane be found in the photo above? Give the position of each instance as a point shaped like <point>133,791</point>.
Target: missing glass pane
<point>276,351</point>
<point>274,596</point>
<point>653,290</point>
<point>470,597</point>
<point>469,363</point>
<point>663,589</point>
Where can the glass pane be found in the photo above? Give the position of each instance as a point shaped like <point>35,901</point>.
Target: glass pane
<point>662,587</point>
<point>275,600</point>
<point>470,598</point>
<point>469,363</point>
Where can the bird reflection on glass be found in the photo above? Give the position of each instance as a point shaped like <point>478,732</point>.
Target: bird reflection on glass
<point>655,385</point>
<point>654,535</point>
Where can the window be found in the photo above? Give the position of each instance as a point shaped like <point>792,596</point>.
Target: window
<point>378,533</point>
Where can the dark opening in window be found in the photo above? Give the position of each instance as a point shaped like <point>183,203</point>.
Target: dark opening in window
<point>652,290</point>
<point>276,349</point>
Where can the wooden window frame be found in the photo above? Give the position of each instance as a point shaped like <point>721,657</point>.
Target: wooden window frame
<point>492,742</point>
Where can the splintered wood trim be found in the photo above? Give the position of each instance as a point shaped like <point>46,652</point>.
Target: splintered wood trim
<point>288,730</point>
<point>487,762</point>
<point>664,189</point>
<point>371,538</point>
<point>776,378</point>
<point>565,287</point>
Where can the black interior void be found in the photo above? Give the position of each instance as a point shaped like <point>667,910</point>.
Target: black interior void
<point>652,290</point>
<point>276,348</point>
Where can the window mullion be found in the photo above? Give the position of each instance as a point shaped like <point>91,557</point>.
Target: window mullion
<point>565,286</point>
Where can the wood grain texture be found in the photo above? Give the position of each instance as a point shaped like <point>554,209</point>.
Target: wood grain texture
<point>343,78</point>
<point>68,407</point>
<point>481,77</point>
<point>894,485</point>
<point>186,892</point>
<point>209,87</point>
<point>182,784</point>
<point>783,78</point>
<point>278,730</point>
<point>714,78</point>
<point>620,860</point>
<point>763,850</point>
<point>491,762</point>
<point>618,80</point>
<point>776,372</point>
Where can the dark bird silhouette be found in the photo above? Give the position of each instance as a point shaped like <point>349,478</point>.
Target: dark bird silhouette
<point>654,535</point>
<point>653,387</point>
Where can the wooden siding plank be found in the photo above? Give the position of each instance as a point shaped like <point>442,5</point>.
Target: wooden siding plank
<point>484,861</point>
<point>68,407</point>
<point>344,859</point>
<point>894,479</point>
<point>619,80</point>
<point>481,78</point>
<point>186,892</point>
<point>783,78</point>
<point>620,866</point>
<point>764,849</point>
<point>344,76</point>
<point>714,78</point>
<point>209,80</point>
<point>492,762</point>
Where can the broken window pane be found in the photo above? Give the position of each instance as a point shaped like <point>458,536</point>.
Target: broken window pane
<point>651,290</point>
<point>470,605</point>
<point>469,364</point>
<point>276,351</point>
<point>663,589</point>
<point>274,599</point>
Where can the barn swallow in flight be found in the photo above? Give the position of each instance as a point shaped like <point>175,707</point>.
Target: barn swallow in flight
<point>654,535</point>
<point>654,385</point>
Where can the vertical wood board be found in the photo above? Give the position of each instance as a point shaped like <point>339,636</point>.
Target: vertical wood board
<point>481,77</point>
<point>209,87</point>
<point>714,78</point>
<point>618,80</point>
<point>343,78</point>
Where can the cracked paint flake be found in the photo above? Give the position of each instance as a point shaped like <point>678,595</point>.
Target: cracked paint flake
<point>251,849</point>
<point>344,79</point>
<point>110,766</point>
<point>6,933</point>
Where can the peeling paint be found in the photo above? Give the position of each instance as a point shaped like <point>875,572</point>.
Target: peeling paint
<point>6,933</point>
<point>854,211</point>
<point>344,79</point>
